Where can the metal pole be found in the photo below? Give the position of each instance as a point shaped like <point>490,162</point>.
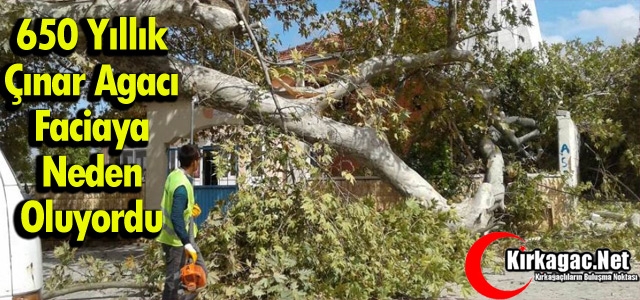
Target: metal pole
<point>193,102</point>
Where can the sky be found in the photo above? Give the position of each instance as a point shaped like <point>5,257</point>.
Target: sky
<point>560,20</point>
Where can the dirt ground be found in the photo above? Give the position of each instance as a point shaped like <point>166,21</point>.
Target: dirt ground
<point>535,291</point>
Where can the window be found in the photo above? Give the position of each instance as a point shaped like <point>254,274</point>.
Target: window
<point>134,157</point>
<point>173,159</point>
<point>208,170</point>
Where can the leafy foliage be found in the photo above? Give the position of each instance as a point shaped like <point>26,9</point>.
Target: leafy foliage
<point>287,235</point>
<point>292,241</point>
<point>301,238</point>
<point>322,246</point>
<point>592,81</point>
<point>526,208</point>
<point>283,239</point>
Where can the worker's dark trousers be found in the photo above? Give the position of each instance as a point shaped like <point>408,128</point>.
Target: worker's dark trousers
<point>175,258</point>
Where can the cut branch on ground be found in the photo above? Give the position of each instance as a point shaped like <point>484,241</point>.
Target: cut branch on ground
<point>95,286</point>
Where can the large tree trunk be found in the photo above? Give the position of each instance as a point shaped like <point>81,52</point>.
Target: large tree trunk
<point>236,95</point>
<point>490,194</point>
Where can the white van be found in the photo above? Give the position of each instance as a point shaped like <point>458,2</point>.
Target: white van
<point>20,258</point>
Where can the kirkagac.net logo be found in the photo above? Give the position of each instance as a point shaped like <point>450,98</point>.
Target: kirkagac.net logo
<point>603,265</point>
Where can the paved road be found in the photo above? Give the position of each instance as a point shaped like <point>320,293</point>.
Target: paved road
<point>566,290</point>
<point>535,291</point>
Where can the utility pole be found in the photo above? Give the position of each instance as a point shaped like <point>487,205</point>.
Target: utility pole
<point>194,100</point>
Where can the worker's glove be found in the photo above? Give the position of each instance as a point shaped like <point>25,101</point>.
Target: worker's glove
<point>188,248</point>
<point>196,211</point>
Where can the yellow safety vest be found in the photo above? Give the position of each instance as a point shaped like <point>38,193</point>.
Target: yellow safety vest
<point>175,179</point>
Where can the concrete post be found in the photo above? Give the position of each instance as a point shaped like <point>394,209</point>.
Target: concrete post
<point>568,147</point>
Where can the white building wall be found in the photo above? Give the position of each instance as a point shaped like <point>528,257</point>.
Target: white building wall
<point>508,38</point>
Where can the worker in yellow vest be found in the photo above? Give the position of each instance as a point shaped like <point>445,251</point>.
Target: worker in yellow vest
<point>178,228</point>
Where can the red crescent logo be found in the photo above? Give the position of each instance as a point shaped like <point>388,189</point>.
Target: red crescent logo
<point>473,267</point>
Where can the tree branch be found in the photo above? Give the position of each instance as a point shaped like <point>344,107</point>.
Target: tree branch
<point>501,124</point>
<point>380,64</point>
<point>265,69</point>
<point>233,95</point>
<point>490,194</point>
<point>452,30</point>
<point>396,29</point>
<point>529,136</point>
<point>261,60</point>
<point>95,286</point>
<point>472,35</point>
<point>525,122</point>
